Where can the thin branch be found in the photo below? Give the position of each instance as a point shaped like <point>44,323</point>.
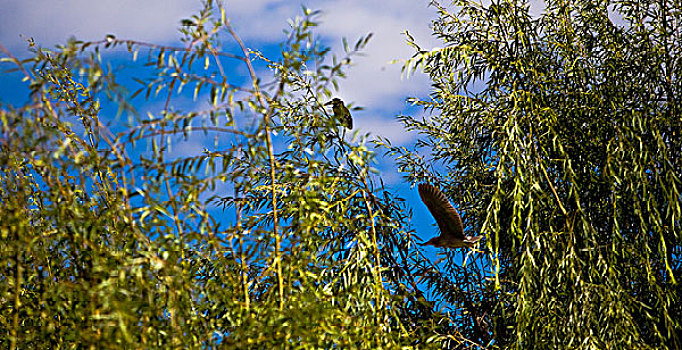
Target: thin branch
<point>271,152</point>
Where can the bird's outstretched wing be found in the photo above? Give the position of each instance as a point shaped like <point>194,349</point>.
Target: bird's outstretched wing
<point>446,216</point>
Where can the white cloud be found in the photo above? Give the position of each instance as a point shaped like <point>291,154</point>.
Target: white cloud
<point>51,22</point>
<point>378,126</point>
<point>372,82</point>
<point>261,20</point>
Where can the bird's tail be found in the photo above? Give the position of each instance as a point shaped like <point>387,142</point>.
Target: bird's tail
<point>473,239</point>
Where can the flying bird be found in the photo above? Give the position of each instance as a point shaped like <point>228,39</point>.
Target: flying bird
<point>341,113</point>
<point>449,222</point>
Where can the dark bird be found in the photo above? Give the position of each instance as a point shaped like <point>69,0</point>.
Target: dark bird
<point>449,222</point>
<point>341,113</point>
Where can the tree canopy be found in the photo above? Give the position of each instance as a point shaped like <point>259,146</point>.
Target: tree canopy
<point>557,134</point>
<point>560,135</point>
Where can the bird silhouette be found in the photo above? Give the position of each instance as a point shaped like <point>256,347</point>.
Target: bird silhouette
<point>341,113</point>
<point>450,224</point>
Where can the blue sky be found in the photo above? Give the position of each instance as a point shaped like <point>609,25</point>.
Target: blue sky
<point>373,82</point>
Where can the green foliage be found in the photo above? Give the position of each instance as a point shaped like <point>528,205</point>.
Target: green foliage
<point>560,136</point>
<point>557,135</point>
<point>112,238</point>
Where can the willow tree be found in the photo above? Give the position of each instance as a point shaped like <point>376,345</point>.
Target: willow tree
<point>559,135</point>
<point>275,234</point>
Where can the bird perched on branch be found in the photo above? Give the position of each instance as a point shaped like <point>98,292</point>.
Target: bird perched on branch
<point>450,224</point>
<point>341,113</point>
